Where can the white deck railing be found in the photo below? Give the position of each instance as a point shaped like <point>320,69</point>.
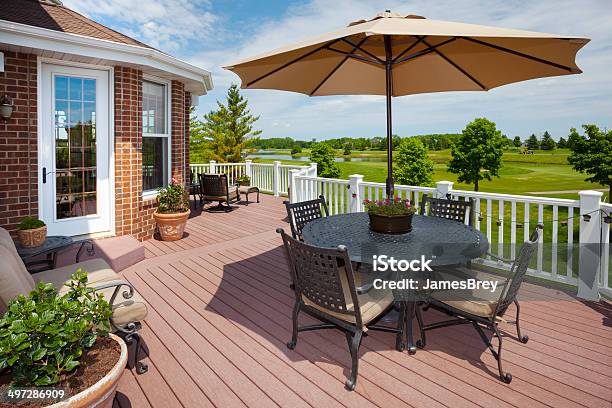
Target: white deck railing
<point>571,248</point>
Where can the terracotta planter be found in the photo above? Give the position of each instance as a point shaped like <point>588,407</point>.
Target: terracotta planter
<point>171,226</point>
<point>391,224</point>
<point>32,238</point>
<point>102,393</point>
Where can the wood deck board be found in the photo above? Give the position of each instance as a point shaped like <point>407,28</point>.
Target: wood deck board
<point>220,314</point>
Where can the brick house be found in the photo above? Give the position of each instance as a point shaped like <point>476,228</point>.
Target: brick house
<point>100,120</point>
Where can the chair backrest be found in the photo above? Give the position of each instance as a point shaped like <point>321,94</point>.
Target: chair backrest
<point>324,276</point>
<point>14,277</point>
<point>518,271</point>
<point>303,212</point>
<point>456,210</point>
<point>214,184</point>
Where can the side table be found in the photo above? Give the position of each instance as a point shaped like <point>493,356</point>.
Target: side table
<point>50,248</point>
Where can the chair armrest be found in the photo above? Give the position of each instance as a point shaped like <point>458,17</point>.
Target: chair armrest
<point>117,284</point>
<point>499,258</point>
<point>364,288</point>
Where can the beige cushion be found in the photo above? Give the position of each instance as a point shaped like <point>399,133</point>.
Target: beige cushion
<point>233,195</point>
<point>371,304</point>
<point>14,278</point>
<point>98,272</point>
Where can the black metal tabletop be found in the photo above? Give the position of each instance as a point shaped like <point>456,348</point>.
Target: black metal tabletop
<point>445,242</point>
<point>51,243</point>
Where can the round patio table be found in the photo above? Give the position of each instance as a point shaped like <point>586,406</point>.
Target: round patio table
<point>443,241</point>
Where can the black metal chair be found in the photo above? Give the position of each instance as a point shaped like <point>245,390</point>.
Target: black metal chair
<point>455,210</point>
<point>325,288</point>
<point>484,309</point>
<point>216,187</point>
<point>302,213</point>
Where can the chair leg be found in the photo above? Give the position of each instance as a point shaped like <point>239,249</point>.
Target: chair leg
<point>422,342</point>
<point>294,337</point>
<point>354,349</point>
<point>522,339</point>
<point>504,377</point>
<point>141,367</point>
<point>401,327</point>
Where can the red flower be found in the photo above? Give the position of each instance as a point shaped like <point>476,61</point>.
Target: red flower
<point>366,201</point>
<point>398,198</point>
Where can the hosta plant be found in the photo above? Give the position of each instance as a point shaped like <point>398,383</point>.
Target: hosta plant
<point>43,335</point>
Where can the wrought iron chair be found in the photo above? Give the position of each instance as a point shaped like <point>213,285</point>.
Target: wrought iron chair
<point>325,288</point>
<point>215,187</point>
<point>485,311</point>
<point>302,213</point>
<point>456,210</point>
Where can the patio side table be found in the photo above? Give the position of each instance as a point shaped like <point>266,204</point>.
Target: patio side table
<point>246,190</point>
<point>50,248</point>
<point>444,241</point>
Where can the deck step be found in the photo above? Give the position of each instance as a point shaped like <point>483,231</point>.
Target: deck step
<point>120,252</point>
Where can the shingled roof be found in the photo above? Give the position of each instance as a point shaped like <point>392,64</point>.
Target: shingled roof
<point>53,15</point>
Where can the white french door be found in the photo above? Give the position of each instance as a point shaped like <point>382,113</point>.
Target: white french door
<point>74,163</point>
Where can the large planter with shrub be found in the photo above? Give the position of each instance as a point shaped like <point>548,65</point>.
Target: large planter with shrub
<point>172,211</point>
<point>48,339</point>
<point>390,216</point>
<point>31,232</point>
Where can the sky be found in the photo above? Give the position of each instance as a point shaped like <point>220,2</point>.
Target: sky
<point>212,33</point>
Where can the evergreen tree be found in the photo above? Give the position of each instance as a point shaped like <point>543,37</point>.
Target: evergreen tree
<point>548,143</point>
<point>517,141</point>
<point>477,155</point>
<point>592,154</point>
<point>562,143</point>
<point>411,163</point>
<point>533,143</point>
<point>199,144</point>
<point>230,127</point>
<point>324,155</point>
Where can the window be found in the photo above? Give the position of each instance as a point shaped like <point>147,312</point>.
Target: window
<point>155,136</point>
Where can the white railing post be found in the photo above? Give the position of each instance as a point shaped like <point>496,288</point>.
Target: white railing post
<point>248,168</point>
<point>443,188</point>
<point>276,178</point>
<point>293,193</point>
<point>211,167</point>
<point>355,181</point>
<point>313,170</point>
<point>589,264</point>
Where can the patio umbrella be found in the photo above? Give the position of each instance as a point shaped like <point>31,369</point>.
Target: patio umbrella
<point>396,55</point>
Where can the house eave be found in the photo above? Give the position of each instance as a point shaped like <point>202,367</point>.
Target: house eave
<point>197,80</point>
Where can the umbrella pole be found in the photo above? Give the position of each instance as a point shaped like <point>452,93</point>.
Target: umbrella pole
<point>389,93</point>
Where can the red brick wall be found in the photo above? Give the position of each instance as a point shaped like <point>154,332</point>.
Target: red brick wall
<point>18,141</point>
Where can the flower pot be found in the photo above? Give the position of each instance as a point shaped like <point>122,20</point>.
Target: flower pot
<point>102,393</point>
<point>32,238</point>
<point>391,224</point>
<point>171,226</point>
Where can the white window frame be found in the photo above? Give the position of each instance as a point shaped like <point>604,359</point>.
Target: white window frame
<point>146,194</point>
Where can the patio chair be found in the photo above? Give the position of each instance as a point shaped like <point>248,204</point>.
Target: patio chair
<point>216,187</point>
<point>456,210</point>
<point>483,308</point>
<point>128,307</point>
<point>302,213</point>
<point>325,288</point>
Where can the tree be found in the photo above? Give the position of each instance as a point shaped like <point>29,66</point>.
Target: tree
<point>230,127</point>
<point>411,163</point>
<point>562,143</point>
<point>477,155</point>
<point>199,144</point>
<point>517,141</point>
<point>296,149</point>
<point>347,149</point>
<point>548,143</point>
<point>533,142</point>
<point>324,155</point>
<point>573,138</point>
<point>592,154</point>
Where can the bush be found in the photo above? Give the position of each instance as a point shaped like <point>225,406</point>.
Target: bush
<point>43,335</point>
<point>412,165</point>
<point>324,155</point>
<point>296,150</point>
<point>29,223</point>
<point>172,199</point>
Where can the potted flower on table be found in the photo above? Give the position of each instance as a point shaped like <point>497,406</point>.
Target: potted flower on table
<point>390,216</point>
<point>172,211</point>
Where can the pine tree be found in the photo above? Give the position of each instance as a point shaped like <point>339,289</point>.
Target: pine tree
<point>230,127</point>
<point>517,141</point>
<point>548,143</point>
<point>562,143</point>
<point>533,143</point>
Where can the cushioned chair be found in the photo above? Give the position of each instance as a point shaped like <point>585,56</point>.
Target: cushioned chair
<point>325,288</point>
<point>215,187</point>
<point>456,210</point>
<point>302,213</point>
<point>483,308</point>
<point>129,309</point>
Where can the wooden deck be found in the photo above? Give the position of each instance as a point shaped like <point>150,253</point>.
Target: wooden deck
<point>220,315</point>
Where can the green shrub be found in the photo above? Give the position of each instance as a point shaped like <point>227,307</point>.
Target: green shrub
<point>43,335</point>
<point>172,199</point>
<point>324,155</point>
<point>29,223</point>
<point>296,149</point>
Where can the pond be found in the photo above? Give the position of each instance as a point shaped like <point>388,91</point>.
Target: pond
<point>268,155</point>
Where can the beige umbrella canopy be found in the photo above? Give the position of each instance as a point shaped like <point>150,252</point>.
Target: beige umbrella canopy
<point>396,55</point>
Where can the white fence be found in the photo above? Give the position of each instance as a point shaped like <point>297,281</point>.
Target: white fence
<point>574,245</point>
